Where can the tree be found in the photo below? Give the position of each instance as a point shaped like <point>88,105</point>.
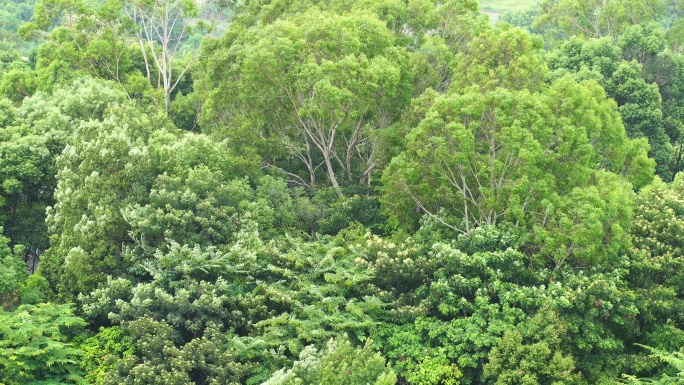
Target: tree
<point>596,18</point>
<point>402,49</point>
<point>26,172</point>
<point>675,361</point>
<point>639,102</point>
<point>177,310</point>
<point>78,39</point>
<point>162,28</point>
<point>97,39</point>
<point>203,360</point>
<point>133,181</point>
<point>32,136</point>
<point>656,267</point>
<point>100,353</point>
<point>13,14</point>
<point>479,307</point>
<point>648,46</point>
<point>267,301</point>
<point>318,96</point>
<point>437,31</point>
<point>640,106</point>
<point>510,58</point>
<point>553,163</point>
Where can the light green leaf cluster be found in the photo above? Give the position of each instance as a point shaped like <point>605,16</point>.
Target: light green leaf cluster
<point>556,162</point>
<point>279,297</point>
<point>510,58</point>
<point>659,219</point>
<point>133,182</point>
<point>159,361</point>
<point>31,138</point>
<point>533,354</point>
<point>675,360</point>
<point>34,348</point>
<point>199,296</point>
<point>337,363</point>
<point>312,292</point>
<point>641,77</point>
<point>13,273</point>
<point>100,352</point>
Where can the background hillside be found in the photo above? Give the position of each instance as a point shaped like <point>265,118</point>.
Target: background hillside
<point>494,8</point>
<point>506,5</point>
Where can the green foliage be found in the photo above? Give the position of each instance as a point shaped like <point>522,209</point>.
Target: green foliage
<point>399,268</point>
<point>544,161</point>
<point>341,212</point>
<point>13,273</point>
<point>190,288</point>
<point>13,14</point>
<point>338,363</point>
<point>435,370</point>
<point>517,235</point>
<point>510,58</point>
<point>640,108</point>
<point>35,290</point>
<point>477,301</point>
<point>199,295</point>
<point>84,39</point>
<point>311,292</point>
<point>278,298</point>
<point>675,360</point>
<point>640,77</point>
<point>34,348</point>
<point>321,98</point>
<point>659,219</point>
<point>101,351</point>
<point>316,94</point>
<point>33,136</point>
<point>138,44</point>
<point>440,30</point>
<point>559,20</point>
<point>132,181</point>
<point>521,18</point>
<point>159,361</point>
<point>506,5</point>
<point>533,354</point>
<point>114,166</point>
<point>16,84</point>
<point>656,267</point>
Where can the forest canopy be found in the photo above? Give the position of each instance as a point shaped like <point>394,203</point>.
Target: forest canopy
<point>341,192</point>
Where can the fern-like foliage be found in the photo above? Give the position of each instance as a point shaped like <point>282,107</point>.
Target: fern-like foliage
<point>674,360</point>
<point>35,348</point>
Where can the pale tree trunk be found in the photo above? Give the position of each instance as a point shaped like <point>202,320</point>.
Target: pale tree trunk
<point>325,146</point>
<point>352,147</point>
<point>156,27</point>
<point>331,173</point>
<point>321,138</point>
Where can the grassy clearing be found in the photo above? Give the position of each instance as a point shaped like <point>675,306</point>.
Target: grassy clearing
<point>506,5</point>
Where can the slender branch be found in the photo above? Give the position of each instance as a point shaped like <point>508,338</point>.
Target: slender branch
<point>431,215</point>
<point>296,178</point>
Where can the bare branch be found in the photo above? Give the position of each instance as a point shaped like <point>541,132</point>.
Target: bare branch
<point>431,215</point>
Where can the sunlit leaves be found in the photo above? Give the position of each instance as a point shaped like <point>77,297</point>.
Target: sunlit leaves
<point>34,348</point>
<point>536,160</point>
